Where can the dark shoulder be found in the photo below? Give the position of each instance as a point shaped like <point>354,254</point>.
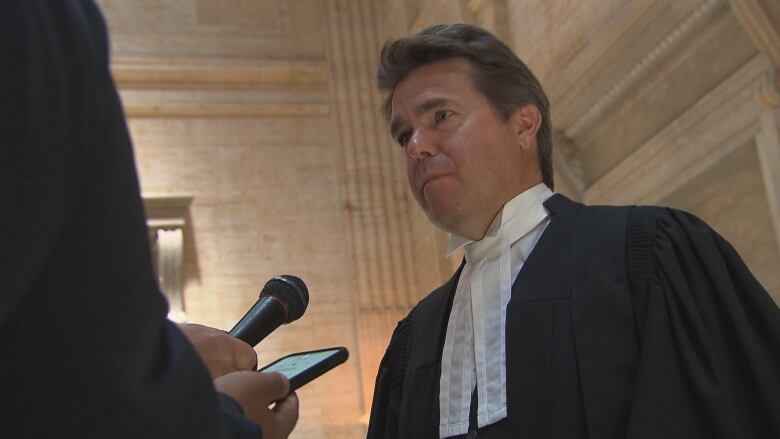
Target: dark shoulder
<point>432,303</point>
<point>666,222</point>
<point>594,228</point>
<point>430,309</point>
<point>639,218</point>
<point>593,218</point>
<point>438,298</point>
<point>600,221</point>
<point>656,230</point>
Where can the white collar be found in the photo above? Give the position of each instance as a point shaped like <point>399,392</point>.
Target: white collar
<point>474,350</point>
<point>522,202</point>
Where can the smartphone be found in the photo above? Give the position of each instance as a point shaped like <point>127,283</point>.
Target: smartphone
<point>302,367</point>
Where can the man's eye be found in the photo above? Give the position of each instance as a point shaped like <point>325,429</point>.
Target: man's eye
<point>442,115</point>
<point>403,139</point>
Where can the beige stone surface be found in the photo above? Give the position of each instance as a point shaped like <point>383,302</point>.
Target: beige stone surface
<point>249,178</point>
<point>244,29</point>
<point>573,23</point>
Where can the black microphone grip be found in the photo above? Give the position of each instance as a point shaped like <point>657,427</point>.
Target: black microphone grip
<point>263,318</point>
<point>283,299</point>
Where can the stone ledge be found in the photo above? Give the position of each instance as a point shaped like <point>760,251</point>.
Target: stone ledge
<point>208,111</point>
<point>219,73</point>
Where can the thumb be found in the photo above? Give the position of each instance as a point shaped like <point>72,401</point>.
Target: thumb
<point>286,412</point>
<point>274,385</point>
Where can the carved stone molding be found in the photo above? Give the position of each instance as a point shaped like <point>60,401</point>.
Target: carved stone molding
<point>708,10</point>
<point>567,84</point>
<point>166,222</point>
<point>689,145</point>
<point>206,88</point>
<point>259,110</point>
<point>218,73</point>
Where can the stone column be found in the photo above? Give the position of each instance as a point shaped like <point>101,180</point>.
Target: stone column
<point>166,220</point>
<point>170,242</point>
<point>768,143</point>
<point>761,20</point>
<point>396,254</point>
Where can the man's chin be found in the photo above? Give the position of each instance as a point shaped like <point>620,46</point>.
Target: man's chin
<point>443,219</point>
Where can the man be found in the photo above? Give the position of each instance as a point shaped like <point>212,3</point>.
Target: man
<point>564,321</point>
<point>86,349</point>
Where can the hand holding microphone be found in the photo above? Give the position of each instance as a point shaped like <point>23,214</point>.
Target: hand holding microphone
<point>220,352</point>
<point>283,299</point>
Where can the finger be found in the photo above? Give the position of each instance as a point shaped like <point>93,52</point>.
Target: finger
<point>274,386</point>
<point>244,356</point>
<point>286,412</point>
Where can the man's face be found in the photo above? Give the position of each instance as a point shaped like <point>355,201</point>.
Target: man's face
<point>463,161</point>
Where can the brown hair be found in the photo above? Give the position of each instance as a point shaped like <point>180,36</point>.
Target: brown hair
<point>496,71</point>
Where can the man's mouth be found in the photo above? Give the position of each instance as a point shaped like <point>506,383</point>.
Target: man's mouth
<point>429,178</point>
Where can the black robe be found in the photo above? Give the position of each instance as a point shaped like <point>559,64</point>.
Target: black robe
<point>86,350</point>
<point>624,322</point>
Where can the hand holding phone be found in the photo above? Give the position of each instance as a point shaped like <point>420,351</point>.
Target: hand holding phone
<point>265,398</point>
<point>302,367</point>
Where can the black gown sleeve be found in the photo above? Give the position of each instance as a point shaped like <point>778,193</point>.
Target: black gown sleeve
<point>388,390</point>
<point>710,336</point>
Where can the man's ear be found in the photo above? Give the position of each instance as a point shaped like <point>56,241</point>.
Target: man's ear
<point>526,120</point>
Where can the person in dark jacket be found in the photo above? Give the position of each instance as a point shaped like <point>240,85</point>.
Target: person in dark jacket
<point>564,320</point>
<point>86,348</point>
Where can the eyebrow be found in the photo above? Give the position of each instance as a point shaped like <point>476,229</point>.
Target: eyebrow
<point>422,108</point>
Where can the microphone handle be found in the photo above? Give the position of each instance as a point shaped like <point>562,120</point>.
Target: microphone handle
<point>266,315</point>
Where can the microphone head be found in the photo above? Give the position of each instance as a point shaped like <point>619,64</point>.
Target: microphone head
<point>291,292</point>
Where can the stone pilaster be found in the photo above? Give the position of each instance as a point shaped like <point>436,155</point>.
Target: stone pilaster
<point>760,20</point>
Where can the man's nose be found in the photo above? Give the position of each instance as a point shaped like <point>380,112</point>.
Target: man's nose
<point>423,143</point>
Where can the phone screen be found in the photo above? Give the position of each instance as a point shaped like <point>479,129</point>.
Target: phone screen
<point>303,367</point>
<point>295,364</point>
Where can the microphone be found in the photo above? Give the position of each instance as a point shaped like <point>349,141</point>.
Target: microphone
<point>283,300</point>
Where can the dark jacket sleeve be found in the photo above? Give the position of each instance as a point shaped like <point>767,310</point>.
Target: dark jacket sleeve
<point>236,425</point>
<point>710,335</point>
<point>87,349</point>
<point>388,390</point>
